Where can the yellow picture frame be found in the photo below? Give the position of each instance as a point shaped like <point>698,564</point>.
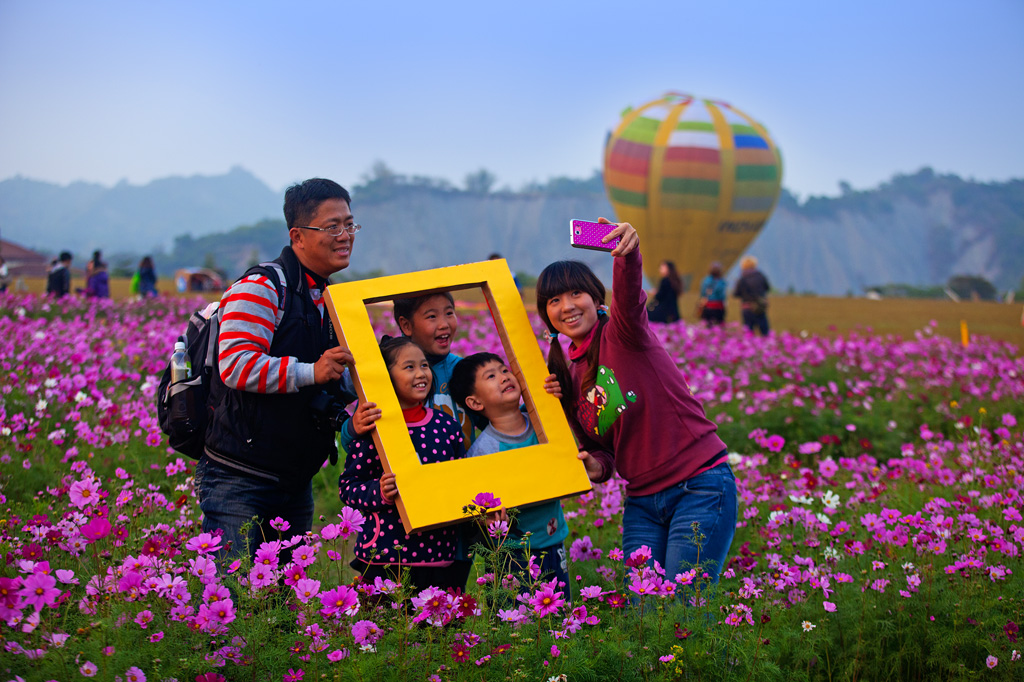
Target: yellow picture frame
<point>434,495</point>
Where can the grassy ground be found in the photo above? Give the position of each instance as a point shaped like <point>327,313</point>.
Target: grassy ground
<point>813,314</point>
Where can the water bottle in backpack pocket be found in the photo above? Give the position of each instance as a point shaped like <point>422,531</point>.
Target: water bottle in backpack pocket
<point>184,391</point>
<point>185,400</point>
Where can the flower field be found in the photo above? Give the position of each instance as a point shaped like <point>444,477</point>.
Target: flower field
<point>879,537</point>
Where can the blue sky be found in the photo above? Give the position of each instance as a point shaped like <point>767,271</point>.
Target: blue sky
<point>105,91</point>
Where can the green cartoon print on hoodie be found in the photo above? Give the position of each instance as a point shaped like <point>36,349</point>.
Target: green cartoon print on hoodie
<point>601,405</point>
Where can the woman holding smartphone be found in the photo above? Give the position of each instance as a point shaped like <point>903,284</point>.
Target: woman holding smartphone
<point>633,412</point>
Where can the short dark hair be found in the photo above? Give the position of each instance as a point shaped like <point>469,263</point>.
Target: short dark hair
<point>302,200</point>
<point>65,255</point>
<point>405,307</point>
<point>463,380</point>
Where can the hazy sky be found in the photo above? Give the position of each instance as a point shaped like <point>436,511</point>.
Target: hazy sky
<point>850,90</point>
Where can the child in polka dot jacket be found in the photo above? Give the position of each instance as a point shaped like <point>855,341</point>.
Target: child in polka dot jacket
<point>383,548</point>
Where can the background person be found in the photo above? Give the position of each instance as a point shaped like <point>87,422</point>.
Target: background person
<point>752,289</point>
<point>147,278</point>
<point>632,410</point>
<point>58,281</point>
<point>666,296</point>
<point>712,297</point>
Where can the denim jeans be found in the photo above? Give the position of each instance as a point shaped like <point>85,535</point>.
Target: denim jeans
<point>229,499</point>
<point>662,521</point>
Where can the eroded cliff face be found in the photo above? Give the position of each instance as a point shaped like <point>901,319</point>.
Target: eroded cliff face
<point>919,229</point>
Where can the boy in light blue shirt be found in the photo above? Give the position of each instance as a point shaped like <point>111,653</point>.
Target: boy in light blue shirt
<point>482,384</point>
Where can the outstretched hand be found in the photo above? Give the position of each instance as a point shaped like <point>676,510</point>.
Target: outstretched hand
<point>628,238</point>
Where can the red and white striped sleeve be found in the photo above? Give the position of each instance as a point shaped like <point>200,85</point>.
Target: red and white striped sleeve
<point>248,317</point>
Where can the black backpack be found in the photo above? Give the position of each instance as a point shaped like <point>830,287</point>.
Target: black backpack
<point>184,408</point>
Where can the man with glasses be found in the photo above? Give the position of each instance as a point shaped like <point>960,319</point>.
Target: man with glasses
<point>277,353</point>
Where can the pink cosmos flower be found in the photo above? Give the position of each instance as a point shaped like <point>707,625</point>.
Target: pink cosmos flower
<point>261,576</point>
<point>144,618</point>
<point>88,669</point>
<point>98,527</point>
<point>829,606</point>
<point>38,590</point>
<point>303,556</point>
<point>133,674</point>
<point>337,655</point>
<point>84,493</point>
<point>487,501</point>
<point>352,521</point>
<point>279,524</point>
<point>222,611</point>
<point>366,632</point>
<point>341,600</point>
<point>991,662</point>
<point>204,543</point>
<point>546,600</point>
<point>306,589</point>
<point>293,675</point>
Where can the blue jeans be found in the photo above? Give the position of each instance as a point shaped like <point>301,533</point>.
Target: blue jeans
<point>229,499</point>
<point>662,521</point>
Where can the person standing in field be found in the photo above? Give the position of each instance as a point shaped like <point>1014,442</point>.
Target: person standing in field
<point>752,289</point>
<point>632,411</point>
<point>278,352</point>
<point>58,282</point>
<point>712,297</point>
<point>666,296</point>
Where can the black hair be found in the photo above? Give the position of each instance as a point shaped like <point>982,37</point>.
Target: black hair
<point>389,347</point>
<point>65,255</point>
<point>556,279</point>
<point>406,307</point>
<point>302,201</point>
<point>463,380</point>
<point>673,277</point>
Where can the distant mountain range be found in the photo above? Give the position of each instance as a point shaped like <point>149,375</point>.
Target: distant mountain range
<point>917,229</point>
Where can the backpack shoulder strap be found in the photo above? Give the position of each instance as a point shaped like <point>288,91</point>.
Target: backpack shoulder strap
<point>275,273</point>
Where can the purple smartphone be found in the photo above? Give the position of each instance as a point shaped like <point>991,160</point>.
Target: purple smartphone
<point>584,234</point>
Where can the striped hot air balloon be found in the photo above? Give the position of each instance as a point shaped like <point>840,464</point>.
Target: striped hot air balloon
<point>697,178</point>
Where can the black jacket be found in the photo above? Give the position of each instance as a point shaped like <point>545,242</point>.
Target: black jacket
<point>276,435</point>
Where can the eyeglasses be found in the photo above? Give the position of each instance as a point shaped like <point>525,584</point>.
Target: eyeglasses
<point>333,231</point>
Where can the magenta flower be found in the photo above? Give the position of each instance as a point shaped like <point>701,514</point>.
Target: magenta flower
<point>546,600</point>
<point>38,590</point>
<point>366,632</point>
<point>97,528</point>
<point>991,662</point>
<point>88,669</point>
<point>133,674</point>
<point>204,543</point>
<point>829,606</point>
<point>341,600</point>
<point>279,524</point>
<point>337,655</point>
<point>306,589</point>
<point>487,501</point>
<point>303,556</point>
<point>84,493</point>
<point>293,675</point>
<point>352,521</point>
<point>144,618</point>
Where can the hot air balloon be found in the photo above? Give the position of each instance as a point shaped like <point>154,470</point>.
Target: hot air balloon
<point>697,178</point>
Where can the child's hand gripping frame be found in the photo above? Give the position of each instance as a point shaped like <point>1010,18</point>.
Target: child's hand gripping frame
<point>435,494</point>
